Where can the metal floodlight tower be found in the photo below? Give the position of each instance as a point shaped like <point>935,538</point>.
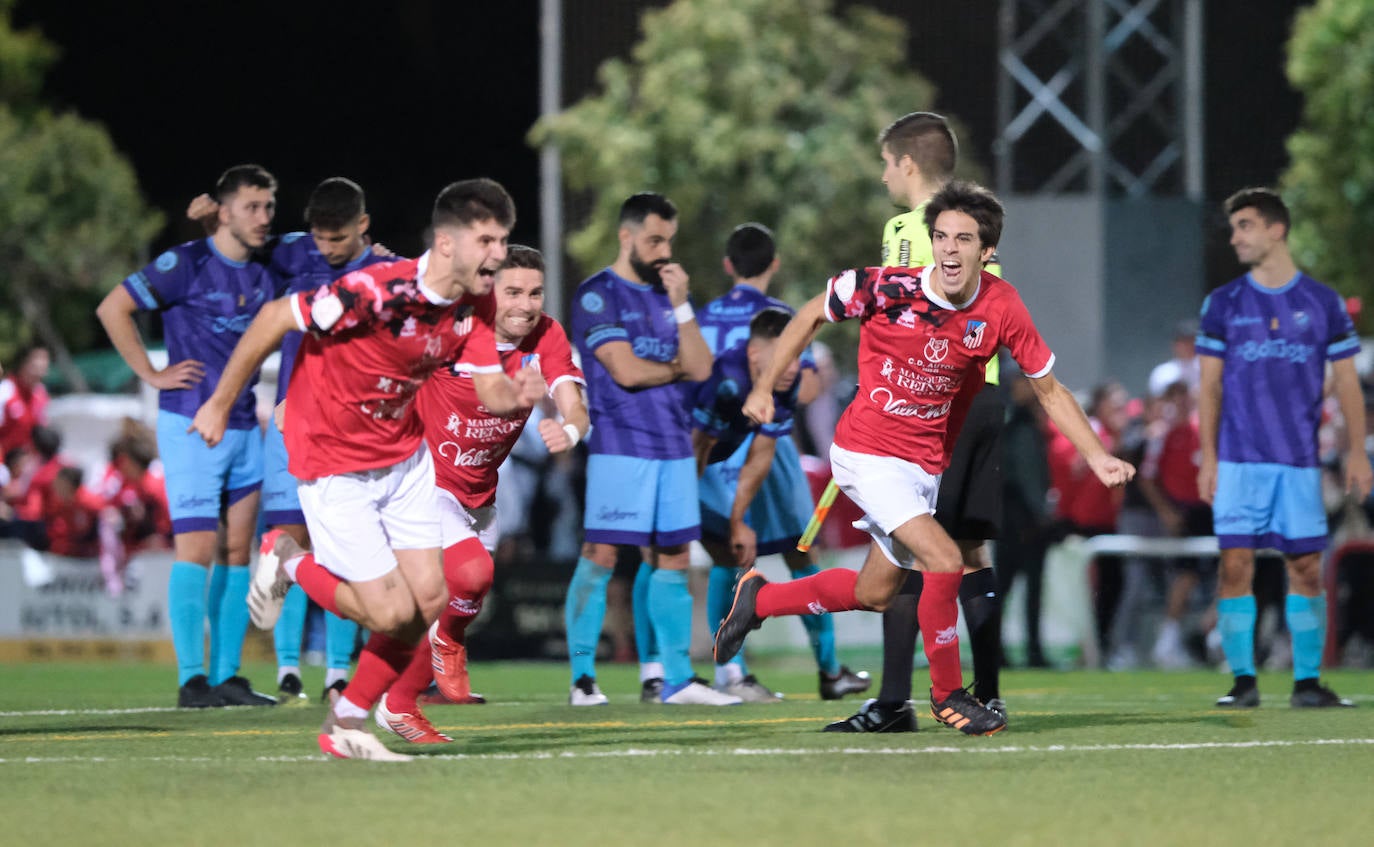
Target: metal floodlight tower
<point>1100,97</point>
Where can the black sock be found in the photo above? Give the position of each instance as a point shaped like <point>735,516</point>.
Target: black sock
<point>983,617</point>
<point>899,643</point>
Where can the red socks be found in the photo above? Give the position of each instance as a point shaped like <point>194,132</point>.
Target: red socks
<point>318,583</point>
<point>937,614</point>
<point>828,591</point>
<point>382,661</point>
<point>400,697</point>
<point>468,574</point>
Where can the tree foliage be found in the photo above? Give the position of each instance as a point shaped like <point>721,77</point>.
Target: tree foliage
<point>1330,183</point>
<point>739,110</point>
<point>72,219</point>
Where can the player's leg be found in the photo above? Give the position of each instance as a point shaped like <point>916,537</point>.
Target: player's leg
<point>1241,512</point>
<point>241,519</point>
<point>676,519</point>
<point>281,509</point>
<point>890,492</point>
<point>922,540</point>
<point>1300,524</point>
<point>646,643</point>
<point>779,515</point>
<point>468,572</point>
<point>716,491</point>
<point>193,497</point>
<point>618,487</point>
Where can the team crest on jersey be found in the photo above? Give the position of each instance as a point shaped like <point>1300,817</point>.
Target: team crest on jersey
<point>408,328</point>
<point>462,321</point>
<point>1301,319</point>
<point>530,360</point>
<point>937,349</point>
<point>166,261</point>
<point>973,334</point>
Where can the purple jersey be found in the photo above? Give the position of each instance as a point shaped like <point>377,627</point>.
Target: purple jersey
<point>207,302</point>
<point>1274,344</point>
<point>297,260</point>
<point>648,423</point>
<point>725,320</point>
<point>718,407</point>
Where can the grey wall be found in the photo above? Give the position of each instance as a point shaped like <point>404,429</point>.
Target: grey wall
<point>1105,280</point>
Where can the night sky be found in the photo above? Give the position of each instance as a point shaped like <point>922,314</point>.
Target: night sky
<point>406,96</point>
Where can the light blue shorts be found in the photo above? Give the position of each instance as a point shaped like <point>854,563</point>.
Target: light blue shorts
<point>780,510</point>
<point>1261,505</point>
<point>202,480</point>
<point>648,502</point>
<point>280,502</point>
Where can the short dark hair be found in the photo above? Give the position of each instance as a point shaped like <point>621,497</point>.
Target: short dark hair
<point>768,323</point>
<point>21,356</point>
<point>74,476</point>
<point>750,249</point>
<point>135,448</point>
<point>46,441</point>
<point>973,200</point>
<point>243,176</point>
<point>521,256</point>
<point>471,201</point>
<point>639,206</point>
<point>927,139</point>
<point>334,204</point>
<point>1265,201</point>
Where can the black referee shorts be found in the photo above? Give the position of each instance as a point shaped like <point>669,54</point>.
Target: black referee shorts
<point>969,506</point>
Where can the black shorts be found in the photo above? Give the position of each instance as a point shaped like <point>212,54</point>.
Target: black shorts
<point>969,506</point>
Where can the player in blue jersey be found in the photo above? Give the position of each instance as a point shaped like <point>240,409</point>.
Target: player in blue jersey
<point>1265,339</point>
<point>782,504</point>
<point>638,336</point>
<point>207,292</point>
<point>337,244</point>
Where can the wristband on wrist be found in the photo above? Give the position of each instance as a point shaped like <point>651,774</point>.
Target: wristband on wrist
<point>682,314</point>
<point>572,434</point>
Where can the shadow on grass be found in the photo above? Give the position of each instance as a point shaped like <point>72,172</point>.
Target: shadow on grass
<point>1085,720</point>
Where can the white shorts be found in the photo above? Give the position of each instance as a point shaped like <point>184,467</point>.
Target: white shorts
<point>357,519</point>
<point>890,491</point>
<point>458,523</point>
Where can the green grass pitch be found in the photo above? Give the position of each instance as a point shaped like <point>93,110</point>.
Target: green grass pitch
<point>91,755</point>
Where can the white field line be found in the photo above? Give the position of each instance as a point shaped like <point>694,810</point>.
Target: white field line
<point>744,751</point>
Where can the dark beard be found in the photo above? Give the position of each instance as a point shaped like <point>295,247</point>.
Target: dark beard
<point>648,272</point>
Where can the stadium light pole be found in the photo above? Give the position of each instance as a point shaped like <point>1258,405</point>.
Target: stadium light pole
<point>550,163</point>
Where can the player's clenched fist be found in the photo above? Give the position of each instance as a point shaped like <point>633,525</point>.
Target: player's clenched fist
<point>529,386</point>
<point>758,406</point>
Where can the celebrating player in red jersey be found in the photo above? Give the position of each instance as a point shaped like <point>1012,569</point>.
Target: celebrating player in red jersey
<point>925,337</point>
<point>469,443</point>
<point>356,443</point>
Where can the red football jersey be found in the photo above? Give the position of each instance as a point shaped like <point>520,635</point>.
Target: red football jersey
<point>372,337</point>
<point>918,352</point>
<point>468,442</point>
<point>21,409</point>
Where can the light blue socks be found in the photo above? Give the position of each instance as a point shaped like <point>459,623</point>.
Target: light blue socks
<point>583,614</point>
<point>1236,621</point>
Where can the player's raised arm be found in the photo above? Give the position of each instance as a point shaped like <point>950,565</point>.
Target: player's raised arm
<point>694,356</point>
<point>263,336</point>
<point>1063,410</point>
<point>800,331</point>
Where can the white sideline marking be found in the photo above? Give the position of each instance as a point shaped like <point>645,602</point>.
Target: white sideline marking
<point>740,751</point>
